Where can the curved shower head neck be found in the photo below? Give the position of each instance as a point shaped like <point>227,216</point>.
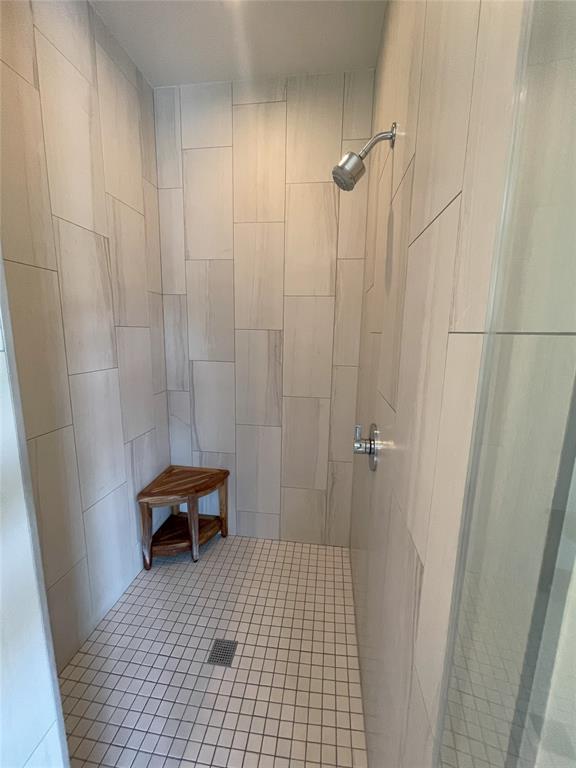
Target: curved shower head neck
<point>351,167</point>
<point>377,138</point>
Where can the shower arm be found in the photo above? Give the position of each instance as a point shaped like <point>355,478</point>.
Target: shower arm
<point>378,137</point>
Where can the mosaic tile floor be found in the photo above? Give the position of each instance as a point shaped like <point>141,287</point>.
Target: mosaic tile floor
<point>139,693</point>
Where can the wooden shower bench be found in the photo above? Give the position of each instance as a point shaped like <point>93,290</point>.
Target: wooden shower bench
<point>182,532</point>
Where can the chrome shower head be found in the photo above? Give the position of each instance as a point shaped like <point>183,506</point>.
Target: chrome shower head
<point>351,168</point>
<point>348,171</point>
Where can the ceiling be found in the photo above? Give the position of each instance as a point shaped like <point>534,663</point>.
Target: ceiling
<point>186,41</point>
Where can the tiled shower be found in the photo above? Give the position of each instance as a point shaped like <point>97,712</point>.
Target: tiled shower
<point>183,283</point>
<point>262,287</point>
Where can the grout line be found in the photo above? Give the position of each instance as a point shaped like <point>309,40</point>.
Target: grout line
<point>437,216</point>
<point>32,266</point>
<point>127,205</point>
<point>93,84</point>
<point>96,370</point>
<point>50,432</point>
<point>512,333</point>
<point>201,149</point>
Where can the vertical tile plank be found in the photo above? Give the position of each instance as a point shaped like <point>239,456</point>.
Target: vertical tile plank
<point>168,137</point>
<point>314,126</point>
<point>259,162</point>
<point>206,115</point>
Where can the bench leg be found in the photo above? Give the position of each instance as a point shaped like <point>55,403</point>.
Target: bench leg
<point>146,521</point>
<point>223,504</point>
<point>193,526</point>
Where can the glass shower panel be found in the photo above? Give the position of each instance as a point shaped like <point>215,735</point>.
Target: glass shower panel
<point>511,697</point>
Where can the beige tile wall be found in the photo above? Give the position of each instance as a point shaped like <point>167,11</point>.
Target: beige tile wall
<point>81,240</point>
<point>262,263</point>
<point>433,207</point>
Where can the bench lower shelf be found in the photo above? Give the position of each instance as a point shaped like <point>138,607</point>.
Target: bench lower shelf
<point>173,535</point>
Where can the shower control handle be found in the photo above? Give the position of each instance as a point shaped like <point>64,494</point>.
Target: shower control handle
<point>366,445</point>
<point>361,445</point>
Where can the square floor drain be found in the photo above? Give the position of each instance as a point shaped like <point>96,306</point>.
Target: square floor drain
<point>222,653</point>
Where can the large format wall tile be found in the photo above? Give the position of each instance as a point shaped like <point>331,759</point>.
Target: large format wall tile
<point>208,203</point>
<point>212,398</point>
<point>485,170</point>
<point>147,131</point>
<point>338,504</point>
<point>17,38</point>
<point>206,115</point>
<point>259,526</point>
<point>418,743</point>
<point>378,214</point>
<point>142,465</point>
<point>314,126</point>
<point>259,377</point>
<point>67,26</point>
<point>259,162</point>
<point>538,272</point>
<point>352,210</point>
<point>57,496</point>
<point>210,290</point>
<point>25,201</point>
<point>172,248</point>
<point>394,592</point>
<point>176,342</point>
<point>157,342</point>
<point>39,345</point>
<point>152,232</point>
<point>71,615</point>
<point>180,427</point>
<point>98,432</point>
<point>303,515</point>
<point>108,536</point>
<point>446,90</point>
<point>104,38</point>
<point>342,412</point>
<point>454,440</point>
<point>162,433</point>
<point>135,370</point>
<point>168,139</point>
<point>268,291</point>
<point>127,264</point>
<point>86,298</point>
<point>399,90</point>
<point>120,119</point>
<point>425,330</point>
<point>258,90</point>
<point>358,88</point>
<point>391,280</point>
<point>259,276</point>
<point>258,456</point>
<point>309,326</point>
<point>348,316</point>
<point>311,239</point>
<point>305,427</point>
<point>72,135</point>
<point>380,250</point>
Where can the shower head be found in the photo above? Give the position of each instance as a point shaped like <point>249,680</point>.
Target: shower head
<point>348,171</point>
<point>351,167</point>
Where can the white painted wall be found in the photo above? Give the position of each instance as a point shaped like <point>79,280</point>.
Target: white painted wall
<point>31,724</point>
